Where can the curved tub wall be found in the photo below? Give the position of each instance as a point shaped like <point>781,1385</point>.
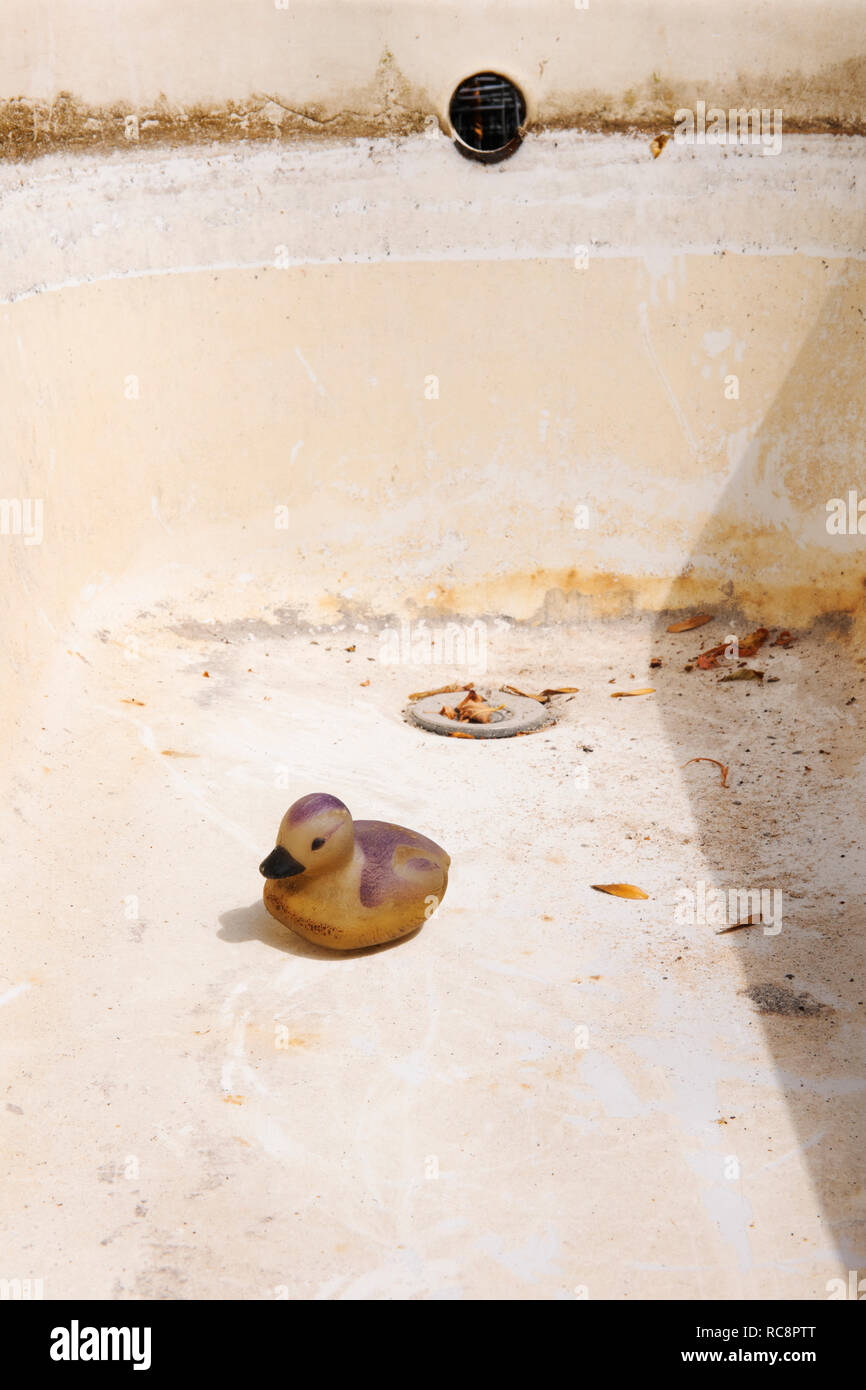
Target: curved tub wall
<point>358,67</point>
<point>335,381</point>
<point>319,341</point>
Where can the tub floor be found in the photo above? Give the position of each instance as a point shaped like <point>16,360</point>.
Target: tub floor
<point>198,1104</point>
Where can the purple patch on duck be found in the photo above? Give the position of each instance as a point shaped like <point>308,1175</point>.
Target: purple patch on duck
<point>379,842</point>
<point>313,805</point>
<point>420,864</point>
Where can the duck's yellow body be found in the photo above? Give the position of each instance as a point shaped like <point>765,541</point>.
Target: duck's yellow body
<point>344,883</point>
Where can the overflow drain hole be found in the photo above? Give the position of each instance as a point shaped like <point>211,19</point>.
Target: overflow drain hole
<point>487,113</point>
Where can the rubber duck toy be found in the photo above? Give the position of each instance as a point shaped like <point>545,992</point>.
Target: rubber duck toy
<point>344,883</point>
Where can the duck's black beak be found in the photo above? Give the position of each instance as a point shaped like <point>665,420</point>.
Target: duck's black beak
<point>280,864</point>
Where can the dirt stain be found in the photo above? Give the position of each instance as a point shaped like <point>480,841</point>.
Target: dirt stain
<point>830,101</point>
<point>779,999</point>
<point>387,106</point>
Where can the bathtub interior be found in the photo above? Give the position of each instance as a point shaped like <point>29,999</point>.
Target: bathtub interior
<point>282,405</point>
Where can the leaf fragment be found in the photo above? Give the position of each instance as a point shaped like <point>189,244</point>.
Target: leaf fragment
<point>748,647</point>
<point>751,644</point>
<point>721,766</point>
<point>440,690</point>
<point>744,673</point>
<point>543,696</point>
<point>753,920</point>
<point>709,659</point>
<point>619,890</point>
<point>686,624</point>
<point>471,710</point>
<point>624,694</point>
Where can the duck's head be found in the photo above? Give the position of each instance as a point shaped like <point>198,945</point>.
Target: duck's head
<point>315,836</point>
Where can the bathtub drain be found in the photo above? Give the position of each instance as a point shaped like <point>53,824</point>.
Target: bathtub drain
<point>519,715</point>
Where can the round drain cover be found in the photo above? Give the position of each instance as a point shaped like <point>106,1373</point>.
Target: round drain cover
<point>519,716</point>
<point>487,113</point>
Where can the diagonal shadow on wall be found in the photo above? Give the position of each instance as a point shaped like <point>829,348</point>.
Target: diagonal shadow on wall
<point>800,832</point>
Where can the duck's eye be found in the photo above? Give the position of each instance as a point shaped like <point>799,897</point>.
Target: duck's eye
<point>317,843</point>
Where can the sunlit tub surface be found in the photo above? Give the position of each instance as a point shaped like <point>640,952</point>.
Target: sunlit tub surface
<point>278,405</point>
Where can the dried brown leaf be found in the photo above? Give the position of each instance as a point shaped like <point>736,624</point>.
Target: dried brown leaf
<point>623,694</point>
<point>745,673</point>
<point>748,647</point>
<point>721,766</point>
<point>620,890</point>
<point>440,690</point>
<point>524,694</point>
<point>751,921</point>
<point>475,710</point>
<point>709,659</point>
<point>471,710</point>
<point>755,640</point>
<point>544,695</point>
<point>686,624</point>
<point>513,690</point>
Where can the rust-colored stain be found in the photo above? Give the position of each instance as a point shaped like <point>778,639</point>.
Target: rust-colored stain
<point>388,106</point>
<point>234,1100</point>
<point>566,596</point>
<point>831,101</point>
